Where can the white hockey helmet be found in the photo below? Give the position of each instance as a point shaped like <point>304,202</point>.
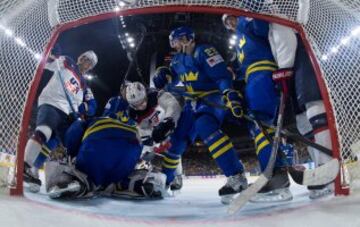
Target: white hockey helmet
<point>225,23</point>
<point>90,54</point>
<point>136,95</point>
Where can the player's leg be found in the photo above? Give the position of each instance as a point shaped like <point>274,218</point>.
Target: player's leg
<point>263,100</point>
<point>39,146</point>
<point>309,98</point>
<point>222,151</point>
<point>182,136</point>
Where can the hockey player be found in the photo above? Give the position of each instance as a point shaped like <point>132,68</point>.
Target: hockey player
<point>293,60</point>
<point>161,119</point>
<point>106,150</point>
<point>203,72</point>
<point>256,68</point>
<point>65,97</point>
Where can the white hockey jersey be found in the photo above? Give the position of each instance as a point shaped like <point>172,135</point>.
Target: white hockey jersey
<point>160,105</point>
<point>283,44</point>
<point>67,79</point>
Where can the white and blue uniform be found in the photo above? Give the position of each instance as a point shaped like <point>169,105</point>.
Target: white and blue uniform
<point>54,110</point>
<point>161,106</point>
<point>290,53</point>
<point>67,75</point>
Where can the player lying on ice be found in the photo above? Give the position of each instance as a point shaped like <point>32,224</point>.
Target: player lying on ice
<point>106,151</point>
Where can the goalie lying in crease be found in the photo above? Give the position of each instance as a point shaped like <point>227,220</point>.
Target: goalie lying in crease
<point>107,151</point>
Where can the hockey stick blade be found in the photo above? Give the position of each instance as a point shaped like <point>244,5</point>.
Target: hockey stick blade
<point>240,200</point>
<point>319,176</point>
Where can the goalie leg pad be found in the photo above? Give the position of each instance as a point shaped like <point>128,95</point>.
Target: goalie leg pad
<point>149,184</point>
<point>65,182</point>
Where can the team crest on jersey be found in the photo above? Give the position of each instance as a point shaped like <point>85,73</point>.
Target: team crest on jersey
<point>72,85</point>
<point>214,60</point>
<point>154,119</point>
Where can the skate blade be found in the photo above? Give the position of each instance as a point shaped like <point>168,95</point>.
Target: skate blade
<point>278,195</point>
<point>55,192</point>
<point>175,192</point>
<point>30,187</point>
<point>320,194</point>
<point>227,199</point>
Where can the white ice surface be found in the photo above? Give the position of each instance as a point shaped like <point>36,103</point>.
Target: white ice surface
<point>197,205</point>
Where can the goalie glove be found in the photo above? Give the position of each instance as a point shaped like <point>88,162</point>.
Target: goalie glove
<point>163,130</point>
<point>162,77</point>
<point>232,99</point>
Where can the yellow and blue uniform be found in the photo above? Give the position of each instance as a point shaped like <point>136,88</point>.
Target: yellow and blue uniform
<point>107,149</point>
<point>257,64</point>
<point>183,135</point>
<point>204,75</point>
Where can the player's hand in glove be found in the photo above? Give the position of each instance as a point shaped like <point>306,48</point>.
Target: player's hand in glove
<point>233,101</point>
<point>163,130</point>
<point>162,77</point>
<point>281,77</point>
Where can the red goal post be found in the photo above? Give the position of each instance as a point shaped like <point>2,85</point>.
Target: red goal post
<point>326,27</point>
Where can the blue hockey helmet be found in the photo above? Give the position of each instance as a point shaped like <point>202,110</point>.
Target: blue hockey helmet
<point>179,32</point>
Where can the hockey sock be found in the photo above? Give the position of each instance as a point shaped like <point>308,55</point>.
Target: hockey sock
<point>264,147</point>
<point>45,152</point>
<point>315,111</point>
<point>220,147</point>
<point>33,147</point>
<point>169,165</point>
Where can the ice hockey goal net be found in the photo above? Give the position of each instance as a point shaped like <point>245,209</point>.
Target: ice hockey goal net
<point>28,29</point>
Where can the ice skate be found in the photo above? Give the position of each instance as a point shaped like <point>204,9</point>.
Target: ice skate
<point>276,190</point>
<point>317,192</point>
<point>177,183</point>
<point>31,179</point>
<point>234,185</point>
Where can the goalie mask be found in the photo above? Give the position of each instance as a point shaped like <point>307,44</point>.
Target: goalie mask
<point>136,95</point>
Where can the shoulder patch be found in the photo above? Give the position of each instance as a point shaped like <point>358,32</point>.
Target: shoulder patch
<point>214,60</point>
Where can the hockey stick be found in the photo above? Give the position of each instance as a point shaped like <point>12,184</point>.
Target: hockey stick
<point>291,135</point>
<point>284,132</point>
<point>310,177</point>
<point>74,113</point>
<point>240,200</point>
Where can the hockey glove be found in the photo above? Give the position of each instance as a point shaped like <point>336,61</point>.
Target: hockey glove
<point>233,100</point>
<point>83,108</point>
<point>282,77</point>
<point>163,130</point>
<point>162,77</point>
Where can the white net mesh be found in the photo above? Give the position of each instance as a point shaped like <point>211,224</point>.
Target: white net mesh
<point>333,30</point>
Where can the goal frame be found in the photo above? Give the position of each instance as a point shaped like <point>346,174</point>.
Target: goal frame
<point>18,189</point>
